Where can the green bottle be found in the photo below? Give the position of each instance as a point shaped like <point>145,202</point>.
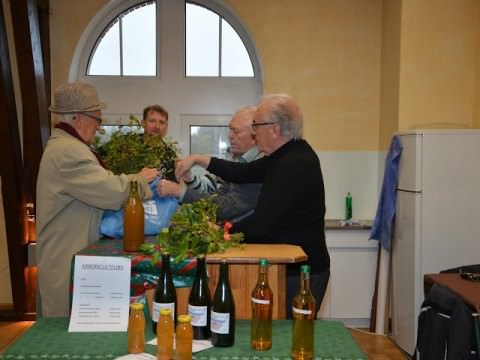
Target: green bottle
<point>165,294</point>
<point>200,302</point>
<point>348,206</point>
<point>222,319</point>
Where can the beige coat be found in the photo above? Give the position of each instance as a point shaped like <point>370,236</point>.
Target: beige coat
<point>73,190</point>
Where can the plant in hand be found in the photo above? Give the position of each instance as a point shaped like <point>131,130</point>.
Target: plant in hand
<point>193,231</point>
<point>128,153</point>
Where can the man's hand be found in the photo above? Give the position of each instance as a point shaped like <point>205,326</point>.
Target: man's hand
<point>168,188</point>
<point>184,165</point>
<point>149,173</point>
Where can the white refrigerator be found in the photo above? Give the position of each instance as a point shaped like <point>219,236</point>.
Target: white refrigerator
<point>437,219</point>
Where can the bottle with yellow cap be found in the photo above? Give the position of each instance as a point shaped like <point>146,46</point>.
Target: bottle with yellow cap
<point>165,330</point>
<point>136,329</point>
<point>184,338</point>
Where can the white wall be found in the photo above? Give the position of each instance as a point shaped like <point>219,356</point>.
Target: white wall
<point>357,172</point>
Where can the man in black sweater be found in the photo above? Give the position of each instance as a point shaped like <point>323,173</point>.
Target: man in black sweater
<point>291,205</point>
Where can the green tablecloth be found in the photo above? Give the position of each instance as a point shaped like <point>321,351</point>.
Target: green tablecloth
<point>49,339</point>
<point>144,273</point>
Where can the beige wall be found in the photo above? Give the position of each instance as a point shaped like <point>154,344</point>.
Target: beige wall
<point>361,69</point>
<point>68,20</point>
<point>438,63</point>
<point>324,53</point>
<point>392,12</point>
<point>327,55</point>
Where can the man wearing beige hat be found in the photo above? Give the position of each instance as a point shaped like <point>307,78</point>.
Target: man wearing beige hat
<point>73,190</point>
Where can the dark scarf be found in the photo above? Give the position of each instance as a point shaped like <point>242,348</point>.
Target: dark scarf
<point>69,129</point>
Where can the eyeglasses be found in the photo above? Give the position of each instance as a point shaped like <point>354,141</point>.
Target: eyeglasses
<point>98,119</point>
<point>255,125</point>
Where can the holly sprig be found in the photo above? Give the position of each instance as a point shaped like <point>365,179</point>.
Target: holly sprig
<point>193,231</point>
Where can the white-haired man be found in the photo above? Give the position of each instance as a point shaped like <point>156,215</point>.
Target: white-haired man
<point>291,205</point>
<point>235,201</point>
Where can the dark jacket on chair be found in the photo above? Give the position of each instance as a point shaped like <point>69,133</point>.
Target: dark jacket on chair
<point>445,327</point>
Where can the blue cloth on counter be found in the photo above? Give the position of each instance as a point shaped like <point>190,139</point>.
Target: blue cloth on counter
<point>382,225</point>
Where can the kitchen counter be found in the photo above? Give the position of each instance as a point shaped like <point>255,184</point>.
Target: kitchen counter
<point>337,224</point>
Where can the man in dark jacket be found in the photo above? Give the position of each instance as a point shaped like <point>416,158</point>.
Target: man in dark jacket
<point>291,205</point>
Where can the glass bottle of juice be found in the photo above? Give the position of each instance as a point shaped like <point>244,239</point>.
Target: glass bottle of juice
<point>183,338</point>
<point>165,331</point>
<point>303,311</point>
<point>136,329</point>
<point>262,308</point>
<point>133,220</point>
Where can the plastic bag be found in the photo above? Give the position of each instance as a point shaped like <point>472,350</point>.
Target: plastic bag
<point>158,212</point>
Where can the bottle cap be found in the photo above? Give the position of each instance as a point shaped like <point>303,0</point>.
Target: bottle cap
<point>184,318</point>
<point>263,262</point>
<point>165,311</point>
<point>305,268</point>
<point>136,306</point>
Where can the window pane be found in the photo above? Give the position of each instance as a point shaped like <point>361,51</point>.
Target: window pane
<point>202,41</point>
<point>106,59</point>
<point>207,139</point>
<point>235,59</point>
<point>139,45</point>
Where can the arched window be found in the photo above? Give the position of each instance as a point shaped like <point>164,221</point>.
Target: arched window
<point>212,45</point>
<point>138,53</point>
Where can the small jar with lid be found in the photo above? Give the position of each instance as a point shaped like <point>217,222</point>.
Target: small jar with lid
<point>136,329</point>
<point>184,338</point>
<point>165,331</point>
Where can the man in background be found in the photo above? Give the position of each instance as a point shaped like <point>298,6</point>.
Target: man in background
<point>155,120</point>
<point>235,201</point>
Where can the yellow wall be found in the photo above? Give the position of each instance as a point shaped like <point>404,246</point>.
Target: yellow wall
<point>392,12</point>
<point>324,53</point>
<point>360,69</point>
<point>327,55</point>
<point>68,20</point>
<point>438,63</point>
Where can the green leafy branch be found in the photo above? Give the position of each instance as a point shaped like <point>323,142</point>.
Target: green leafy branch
<point>128,153</point>
<point>192,232</point>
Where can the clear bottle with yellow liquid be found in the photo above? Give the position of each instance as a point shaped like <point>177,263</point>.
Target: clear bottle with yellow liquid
<point>303,323</point>
<point>262,309</point>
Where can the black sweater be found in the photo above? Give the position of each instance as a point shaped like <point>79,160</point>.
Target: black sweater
<point>291,205</point>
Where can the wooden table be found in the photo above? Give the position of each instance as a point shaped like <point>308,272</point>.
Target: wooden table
<point>469,291</point>
<point>243,273</point>
<point>49,339</point>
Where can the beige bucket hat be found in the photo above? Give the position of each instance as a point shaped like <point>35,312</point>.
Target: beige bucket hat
<point>76,97</point>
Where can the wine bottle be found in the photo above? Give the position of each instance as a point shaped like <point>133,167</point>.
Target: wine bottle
<point>303,311</point>
<point>200,302</point>
<point>262,308</point>
<point>222,322</point>
<point>133,220</point>
<point>165,294</point>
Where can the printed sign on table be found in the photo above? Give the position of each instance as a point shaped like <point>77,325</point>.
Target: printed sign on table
<point>101,294</point>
